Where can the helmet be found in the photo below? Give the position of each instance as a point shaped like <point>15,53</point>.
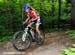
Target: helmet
<point>26,6</point>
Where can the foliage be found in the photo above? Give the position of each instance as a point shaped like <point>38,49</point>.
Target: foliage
<point>71,33</point>
<point>70,51</point>
<point>11,14</point>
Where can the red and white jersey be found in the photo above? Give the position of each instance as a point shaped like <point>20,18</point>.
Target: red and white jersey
<point>32,14</point>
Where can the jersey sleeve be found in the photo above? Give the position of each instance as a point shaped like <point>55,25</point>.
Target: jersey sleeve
<point>34,14</point>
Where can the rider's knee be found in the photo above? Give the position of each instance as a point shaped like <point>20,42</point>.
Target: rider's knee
<point>37,29</point>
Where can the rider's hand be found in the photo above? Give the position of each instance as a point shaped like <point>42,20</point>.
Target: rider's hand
<point>24,22</point>
<point>30,21</point>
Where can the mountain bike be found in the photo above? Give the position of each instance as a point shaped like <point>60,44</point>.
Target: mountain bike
<point>22,39</point>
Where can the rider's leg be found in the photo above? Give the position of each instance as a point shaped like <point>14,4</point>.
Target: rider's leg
<point>38,30</point>
<point>38,26</point>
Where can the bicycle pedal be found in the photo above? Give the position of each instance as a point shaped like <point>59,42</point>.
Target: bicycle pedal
<point>33,40</point>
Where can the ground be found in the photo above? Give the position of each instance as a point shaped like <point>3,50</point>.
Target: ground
<point>55,42</point>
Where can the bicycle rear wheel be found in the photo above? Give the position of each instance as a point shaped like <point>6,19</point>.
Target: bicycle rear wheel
<point>40,40</point>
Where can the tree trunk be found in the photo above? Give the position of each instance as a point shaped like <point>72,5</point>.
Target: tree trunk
<point>59,14</point>
<point>73,14</point>
<point>52,13</point>
<point>52,7</point>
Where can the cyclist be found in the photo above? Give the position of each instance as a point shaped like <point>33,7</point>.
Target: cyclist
<point>32,17</point>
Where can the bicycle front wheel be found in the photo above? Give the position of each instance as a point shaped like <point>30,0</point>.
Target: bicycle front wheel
<point>18,43</point>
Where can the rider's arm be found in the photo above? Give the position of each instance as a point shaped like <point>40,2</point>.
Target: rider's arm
<point>35,16</point>
<point>28,17</point>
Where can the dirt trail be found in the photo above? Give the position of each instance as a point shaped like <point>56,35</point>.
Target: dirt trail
<point>55,42</point>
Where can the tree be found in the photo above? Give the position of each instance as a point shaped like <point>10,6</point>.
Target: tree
<point>59,13</point>
<point>73,14</point>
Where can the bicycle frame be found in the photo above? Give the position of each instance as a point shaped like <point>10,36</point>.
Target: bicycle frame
<point>26,31</point>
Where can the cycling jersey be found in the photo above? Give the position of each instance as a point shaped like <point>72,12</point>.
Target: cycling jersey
<point>34,15</point>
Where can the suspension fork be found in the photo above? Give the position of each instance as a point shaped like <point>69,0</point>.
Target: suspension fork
<point>24,34</point>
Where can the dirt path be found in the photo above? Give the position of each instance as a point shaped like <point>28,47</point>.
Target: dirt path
<point>55,42</point>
